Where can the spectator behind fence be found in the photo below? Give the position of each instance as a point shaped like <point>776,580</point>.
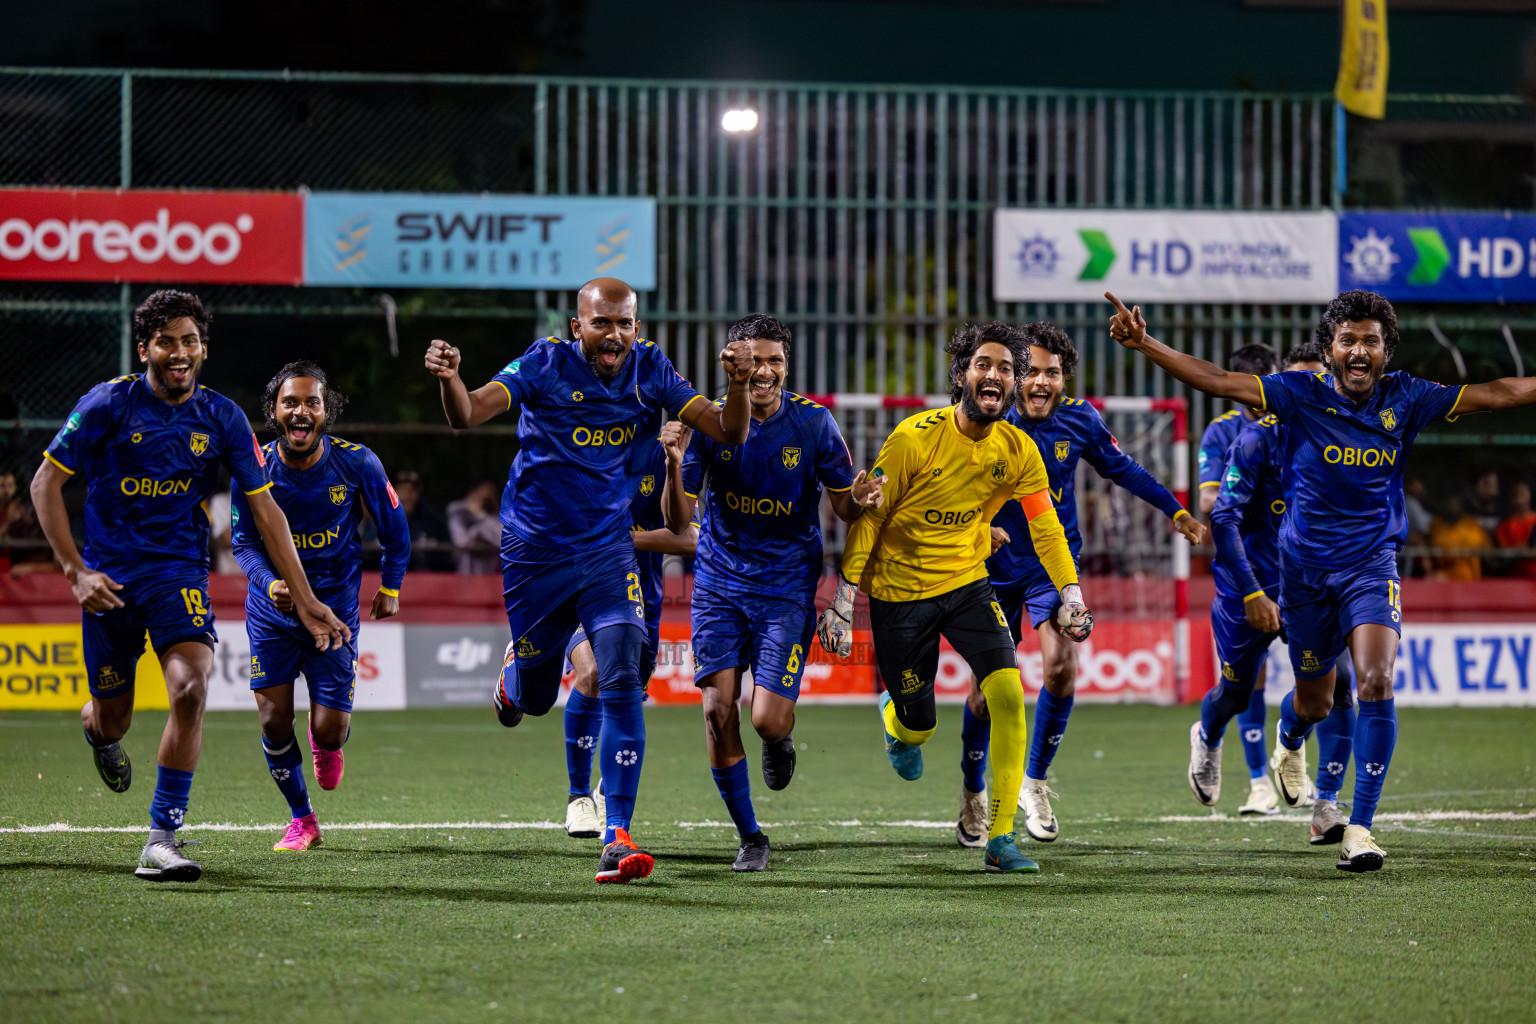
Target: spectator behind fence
<point>474,523</point>
<point>220,535</point>
<point>1517,528</point>
<point>1419,521</point>
<point>1458,529</point>
<point>431,543</point>
<point>1482,501</point>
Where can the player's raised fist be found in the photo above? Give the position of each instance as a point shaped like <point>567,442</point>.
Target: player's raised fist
<point>1126,326</point>
<point>675,436</point>
<point>736,358</point>
<point>442,359</point>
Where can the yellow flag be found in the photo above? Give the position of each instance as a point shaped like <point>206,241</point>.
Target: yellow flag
<point>1362,84</point>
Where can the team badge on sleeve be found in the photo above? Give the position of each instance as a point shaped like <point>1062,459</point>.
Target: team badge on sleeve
<point>199,444</point>
<point>791,458</point>
<point>338,494</point>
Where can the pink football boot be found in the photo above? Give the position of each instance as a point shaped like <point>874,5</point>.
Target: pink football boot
<point>328,764</point>
<point>302,834</point>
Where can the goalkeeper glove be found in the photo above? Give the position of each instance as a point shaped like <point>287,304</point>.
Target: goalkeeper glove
<point>1073,619</point>
<point>834,627</point>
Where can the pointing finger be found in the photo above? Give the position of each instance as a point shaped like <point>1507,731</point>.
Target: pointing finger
<point>1118,304</point>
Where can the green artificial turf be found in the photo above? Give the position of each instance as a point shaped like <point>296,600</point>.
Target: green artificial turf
<point>1133,918</point>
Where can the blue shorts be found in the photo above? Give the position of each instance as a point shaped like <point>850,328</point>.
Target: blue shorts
<point>1320,608</point>
<point>770,635</point>
<point>281,649</point>
<point>173,609</point>
<point>549,593</point>
<point>1038,596</point>
<point>1241,648</point>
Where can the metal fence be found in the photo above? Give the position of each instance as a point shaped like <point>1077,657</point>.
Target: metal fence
<point>859,215</point>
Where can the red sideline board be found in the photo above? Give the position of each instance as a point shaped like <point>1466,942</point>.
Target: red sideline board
<point>1123,662</point>
<point>103,235</point>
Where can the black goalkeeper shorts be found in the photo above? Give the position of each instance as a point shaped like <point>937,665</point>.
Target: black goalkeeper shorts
<point>906,635</point>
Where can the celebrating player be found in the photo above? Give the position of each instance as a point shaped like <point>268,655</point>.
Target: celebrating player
<point>758,565</point>
<point>922,560</point>
<point>151,446</point>
<point>592,409</point>
<point>653,538</point>
<point>1347,438</point>
<point>323,485</point>
<point>1064,430</point>
<point>1245,620</point>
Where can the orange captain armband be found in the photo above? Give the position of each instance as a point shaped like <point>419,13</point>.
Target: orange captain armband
<point>1037,504</point>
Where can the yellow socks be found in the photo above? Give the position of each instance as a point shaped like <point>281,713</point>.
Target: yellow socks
<point>1005,703</point>
<point>911,737</point>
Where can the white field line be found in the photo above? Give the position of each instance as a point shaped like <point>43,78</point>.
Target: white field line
<point>504,826</point>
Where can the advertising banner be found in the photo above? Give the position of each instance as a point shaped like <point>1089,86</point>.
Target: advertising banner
<point>448,241</point>
<point>1129,662</point>
<point>43,667</point>
<point>452,666</point>
<point>1446,665</point>
<point>1164,256</point>
<point>99,235</point>
<point>1440,257</point>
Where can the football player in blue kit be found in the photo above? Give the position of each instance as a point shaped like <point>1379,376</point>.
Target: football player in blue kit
<point>591,412</point>
<point>758,565</point>
<point>1348,436</point>
<point>150,447</point>
<point>1065,430</point>
<point>324,485</point>
<point>1245,620</point>
<point>653,540</point>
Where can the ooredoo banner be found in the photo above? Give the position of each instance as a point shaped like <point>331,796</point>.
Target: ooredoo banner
<point>99,235</point>
<point>1164,256</point>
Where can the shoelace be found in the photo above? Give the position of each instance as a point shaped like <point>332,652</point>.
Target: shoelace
<point>1046,791</point>
<point>295,830</point>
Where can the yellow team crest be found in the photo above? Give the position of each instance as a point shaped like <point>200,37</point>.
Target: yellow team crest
<point>999,469</point>
<point>199,444</point>
<point>647,485</point>
<point>338,494</point>
<point>1389,418</point>
<point>1063,449</point>
<point>791,458</point>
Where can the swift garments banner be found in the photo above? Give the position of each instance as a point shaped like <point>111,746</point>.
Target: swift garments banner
<point>99,235</point>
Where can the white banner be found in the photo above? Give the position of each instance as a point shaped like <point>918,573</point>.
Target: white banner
<point>380,669</point>
<point>1443,665</point>
<point>1164,256</point>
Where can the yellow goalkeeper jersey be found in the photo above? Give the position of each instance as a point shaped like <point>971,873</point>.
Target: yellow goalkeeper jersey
<point>942,489</point>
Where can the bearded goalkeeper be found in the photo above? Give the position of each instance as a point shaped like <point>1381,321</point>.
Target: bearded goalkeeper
<point>922,560</point>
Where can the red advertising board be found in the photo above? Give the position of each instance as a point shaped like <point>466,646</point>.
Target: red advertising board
<point>99,235</point>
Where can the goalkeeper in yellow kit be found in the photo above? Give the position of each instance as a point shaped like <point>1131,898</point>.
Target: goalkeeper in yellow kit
<point>921,558</point>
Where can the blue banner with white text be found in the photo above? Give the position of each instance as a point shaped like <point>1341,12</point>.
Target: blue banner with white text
<point>488,241</point>
<point>1439,257</point>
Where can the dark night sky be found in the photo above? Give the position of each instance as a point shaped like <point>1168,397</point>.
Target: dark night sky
<point>1197,44</point>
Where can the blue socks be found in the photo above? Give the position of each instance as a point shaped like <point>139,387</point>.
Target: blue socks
<point>1252,722</point>
<point>1375,737</point>
<point>1335,740</point>
<point>1293,734</point>
<point>583,725</point>
<point>623,747</point>
<point>735,787</point>
<point>286,764</point>
<point>1051,714</point>
<point>168,809</point>
<point>975,737</point>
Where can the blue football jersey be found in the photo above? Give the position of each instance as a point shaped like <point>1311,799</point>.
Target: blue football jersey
<point>761,530</point>
<point>1074,431</point>
<point>1252,499</point>
<point>645,514</point>
<point>149,467</point>
<point>582,443</point>
<point>1344,463</point>
<point>324,505</point>
<point>1214,444</point>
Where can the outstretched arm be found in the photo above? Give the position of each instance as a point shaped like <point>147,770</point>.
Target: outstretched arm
<point>1504,393</point>
<point>464,408</point>
<point>1130,330</point>
<point>676,506</point>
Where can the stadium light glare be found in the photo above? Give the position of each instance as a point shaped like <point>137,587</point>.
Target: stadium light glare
<point>743,120</point>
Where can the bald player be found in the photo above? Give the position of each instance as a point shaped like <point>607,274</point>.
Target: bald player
<point>592,408</point>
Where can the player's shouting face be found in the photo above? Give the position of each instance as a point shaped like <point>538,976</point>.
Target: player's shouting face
<point>1359,357</point>
<point>606,324</point>
<point>769,368</point>
<point>989,384</point>
<point>1043,385</point>
<point>174,354</point>
<point>299,412</point>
